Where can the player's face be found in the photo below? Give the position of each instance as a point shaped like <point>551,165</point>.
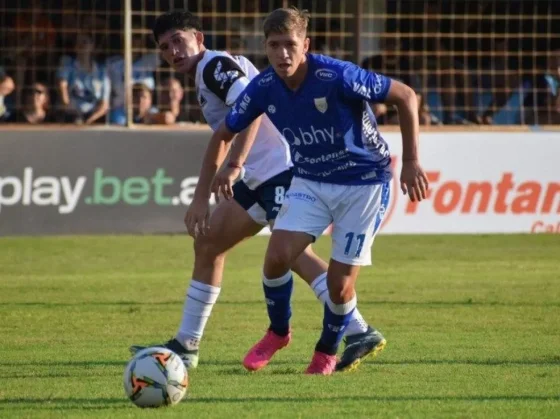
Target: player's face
<point>181,49</point>
<point>286,51</point>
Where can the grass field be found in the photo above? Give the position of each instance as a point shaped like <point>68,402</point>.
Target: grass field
<point>472,323</point>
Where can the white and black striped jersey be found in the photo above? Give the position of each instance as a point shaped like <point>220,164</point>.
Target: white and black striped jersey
<point>220,79</point>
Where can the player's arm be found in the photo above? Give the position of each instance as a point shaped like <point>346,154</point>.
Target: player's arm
<point>226,79</point>
<point>245,110</point>
<point>360,84</point>
<point>406,102</point>
<point>413,179</point>
<point>223,181</point>
<point>214,157</point>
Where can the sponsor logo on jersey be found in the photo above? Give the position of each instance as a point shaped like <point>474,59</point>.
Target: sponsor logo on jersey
<point>267,79</point>
<point>370,175</point>
<point>327,173</point>
<point>326,74</point>
<point>366,91</point>
<point>271,109</point>
<point>370,135</point>
<point>321,104</point>
<point>301,196</point>
<point>378,86</point>
<point>361,90</point>
<point>298,158</point>
<point>244,103</point>
<point>313,136</point>
<point>224,76</point>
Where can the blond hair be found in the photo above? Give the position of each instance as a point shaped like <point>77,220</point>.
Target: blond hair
<point>286,20</point>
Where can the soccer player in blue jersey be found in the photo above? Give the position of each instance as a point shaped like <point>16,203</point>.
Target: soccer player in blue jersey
<point>342,173</point>
<point>219,79</point>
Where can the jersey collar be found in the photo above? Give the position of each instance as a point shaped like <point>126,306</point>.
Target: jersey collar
<point>310,69</point>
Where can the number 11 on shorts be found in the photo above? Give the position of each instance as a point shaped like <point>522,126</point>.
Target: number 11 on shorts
<point>350,238</point>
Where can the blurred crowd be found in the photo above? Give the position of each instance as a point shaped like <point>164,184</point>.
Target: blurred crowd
<point>61,64</point>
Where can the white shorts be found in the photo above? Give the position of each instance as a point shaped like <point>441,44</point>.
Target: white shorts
<point>355,211</point>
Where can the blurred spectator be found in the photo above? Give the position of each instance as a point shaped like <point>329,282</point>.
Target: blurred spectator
<point>435,62</point>
<point>143,67</point>
<point>391,62</point>
<point>389,116</point>
<point>69,24</point>
<point>547,93</point>
<point>329,42</point>
<point>171,99</point>
<point>84,84</point>
<point>247,36</point>
<point>33,42</point>
<point>36,108</point>
<point>395,65</point>
<point>7,86</point>
<point>143,110</point>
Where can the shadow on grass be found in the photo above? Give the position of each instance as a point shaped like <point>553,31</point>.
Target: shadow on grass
<point>467,302</point>
<point>56,403</point>
<point>111,403</point>
<point>235,363</point>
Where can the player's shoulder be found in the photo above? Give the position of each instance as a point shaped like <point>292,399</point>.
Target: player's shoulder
<point>210,56</point>
<point>265,79</point>
<point>219,65</point>
<point>328,69</point>
<point>219,59</point>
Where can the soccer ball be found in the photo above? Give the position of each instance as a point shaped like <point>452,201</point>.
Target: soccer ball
<point>156,377</point>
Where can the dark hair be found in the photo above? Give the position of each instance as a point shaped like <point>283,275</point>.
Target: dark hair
<point>175,20</point>
<point>140,87</point>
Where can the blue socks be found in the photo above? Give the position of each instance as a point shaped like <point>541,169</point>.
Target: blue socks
<point>278,292</point>
<point>335,321</point>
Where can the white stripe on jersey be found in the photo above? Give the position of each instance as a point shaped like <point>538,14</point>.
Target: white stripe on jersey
<point>270,154</point>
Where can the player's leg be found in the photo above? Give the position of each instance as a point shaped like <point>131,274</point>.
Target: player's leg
<point>313,270</point>
<point>338,309</point>
<point>371,342</point>
<point>283,249</point>
<point>210,253</point>
<point>301,220</point>
<point>357,212</point>
<point>308,265</point>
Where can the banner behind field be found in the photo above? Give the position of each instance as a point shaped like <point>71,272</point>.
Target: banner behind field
<point>78,182</point>
<point>482,182</point>
<point>68,182</point>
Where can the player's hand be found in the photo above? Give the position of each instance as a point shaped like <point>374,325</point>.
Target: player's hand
<point>197,217</point>
<point>223,182</point>
<point>414,181</point>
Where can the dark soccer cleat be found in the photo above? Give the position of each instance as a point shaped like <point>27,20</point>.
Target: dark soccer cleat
<point>189,356</point>
<point>359,347</point>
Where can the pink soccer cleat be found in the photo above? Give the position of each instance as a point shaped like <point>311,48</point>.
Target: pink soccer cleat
<point>322,364</point>
<point>260,355</point>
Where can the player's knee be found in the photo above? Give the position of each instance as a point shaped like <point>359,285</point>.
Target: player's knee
<point>205,248</point>
<point>341,293</point>
<point>277,261</point>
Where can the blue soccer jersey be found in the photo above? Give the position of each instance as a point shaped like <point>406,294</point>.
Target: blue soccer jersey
<point>328,124</point>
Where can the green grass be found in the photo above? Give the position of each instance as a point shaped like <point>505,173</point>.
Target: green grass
<point>472,323</point>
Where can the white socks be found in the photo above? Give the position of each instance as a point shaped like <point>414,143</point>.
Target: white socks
<point>197,309</point>
<point>357,323</point>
